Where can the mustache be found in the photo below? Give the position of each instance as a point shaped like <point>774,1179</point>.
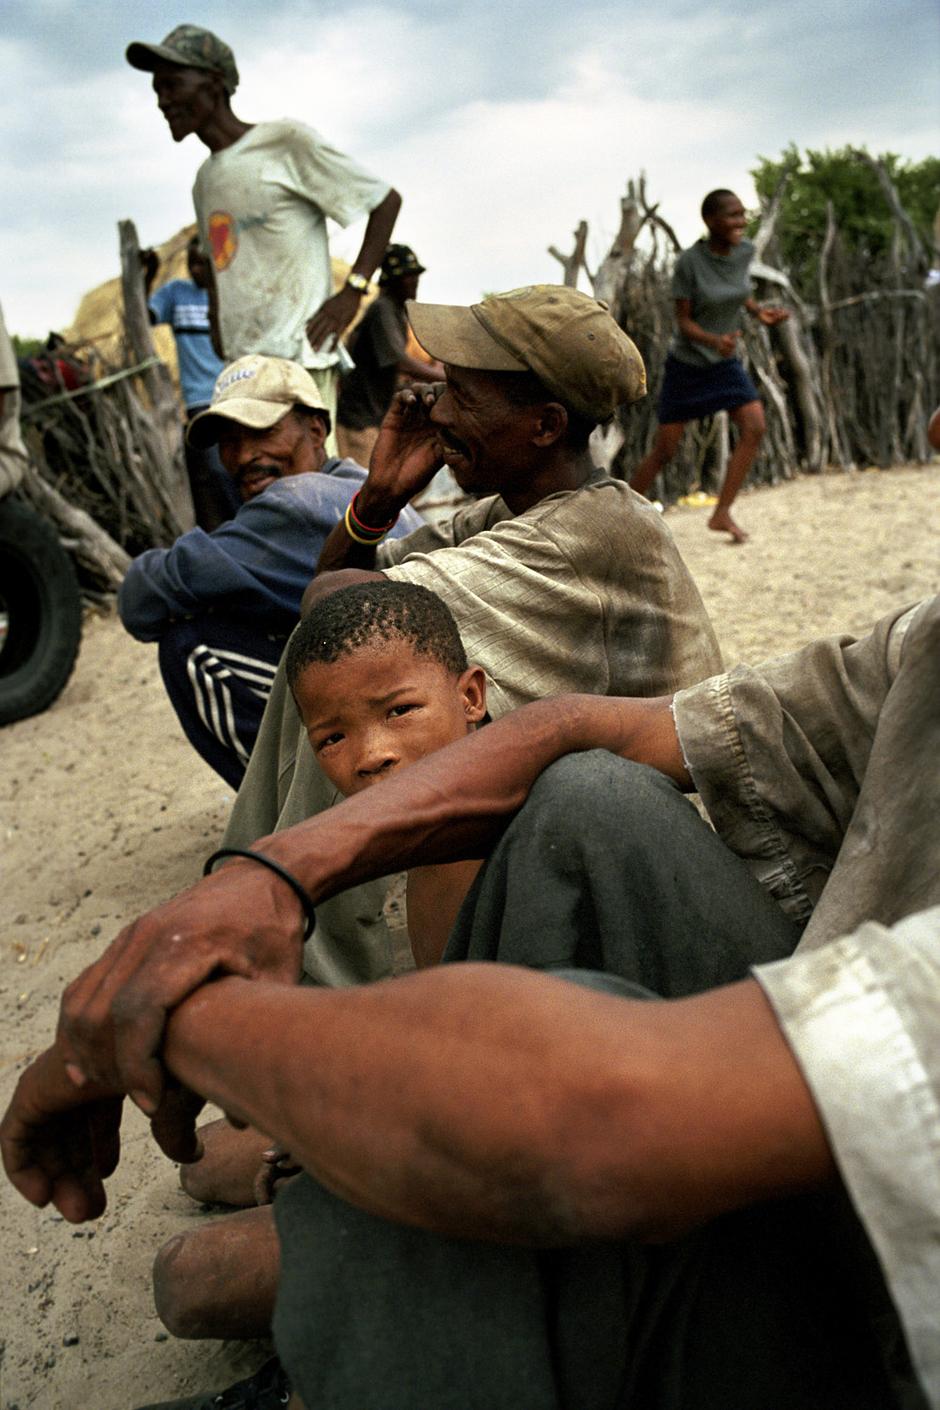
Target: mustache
<point>450,442</point>
<point>257,471</point>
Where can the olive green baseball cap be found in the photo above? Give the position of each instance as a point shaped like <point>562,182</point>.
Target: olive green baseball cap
<point>569,340</point>
<point>191,48</point>
<point>256,392</point>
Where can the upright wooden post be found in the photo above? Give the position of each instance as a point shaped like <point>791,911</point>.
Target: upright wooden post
<point>163,459</point>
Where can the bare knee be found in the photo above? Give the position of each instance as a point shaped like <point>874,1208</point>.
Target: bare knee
<point>193,1180</point>
<point>219,1280</point>
<point>178,1281</point>
<point>667,442</point>
<point>751,423</point>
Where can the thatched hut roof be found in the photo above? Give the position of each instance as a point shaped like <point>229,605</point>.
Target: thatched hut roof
<point>99,321</point>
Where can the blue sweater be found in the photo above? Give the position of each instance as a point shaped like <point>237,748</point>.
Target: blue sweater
<point>256,566</point>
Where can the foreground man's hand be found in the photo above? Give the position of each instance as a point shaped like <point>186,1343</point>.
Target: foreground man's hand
<point>245,921</point>
<point>60,1142</point>
<point>242,920</point>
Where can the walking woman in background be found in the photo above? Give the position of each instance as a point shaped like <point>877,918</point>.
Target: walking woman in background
<point>703,373</point>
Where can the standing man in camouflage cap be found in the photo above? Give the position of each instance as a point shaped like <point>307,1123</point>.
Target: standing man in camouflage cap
<point>262,197</point>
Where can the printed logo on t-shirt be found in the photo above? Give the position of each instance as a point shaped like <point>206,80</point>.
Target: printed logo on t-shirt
<point>223,238</point>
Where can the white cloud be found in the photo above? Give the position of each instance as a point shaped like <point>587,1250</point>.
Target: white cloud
<point>502,125</point>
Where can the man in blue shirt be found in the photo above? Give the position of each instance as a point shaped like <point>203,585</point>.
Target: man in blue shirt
<point>184,305</point>
<point>222,604</point>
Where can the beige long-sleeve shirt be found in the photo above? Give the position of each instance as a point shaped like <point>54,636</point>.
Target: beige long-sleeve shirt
<point>822,770</point>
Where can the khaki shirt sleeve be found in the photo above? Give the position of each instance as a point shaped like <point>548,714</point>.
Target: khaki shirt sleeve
<point>466,522</point>
<point>862,1018</point>
<point>779,752</point>
<point>427,539</point>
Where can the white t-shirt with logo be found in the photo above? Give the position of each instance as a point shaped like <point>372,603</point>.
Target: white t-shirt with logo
<point>262,206</point>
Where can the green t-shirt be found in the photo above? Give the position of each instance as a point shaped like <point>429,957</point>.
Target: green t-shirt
<point>716,286</point>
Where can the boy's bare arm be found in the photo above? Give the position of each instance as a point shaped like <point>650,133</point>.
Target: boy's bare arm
<point>486,1101</point>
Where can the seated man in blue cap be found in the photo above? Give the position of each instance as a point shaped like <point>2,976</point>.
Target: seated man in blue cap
<point>222,604</point>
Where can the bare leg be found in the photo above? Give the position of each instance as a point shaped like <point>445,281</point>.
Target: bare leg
<point>749,420</point>
<point>226,1171</point>
<point>220,1280</point>
<point>664,448</point>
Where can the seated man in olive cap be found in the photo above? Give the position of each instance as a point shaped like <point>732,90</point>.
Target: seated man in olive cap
<point>222,604</point>
<point>262,198</point>
<point>379,345</point>
<point>559,577</point>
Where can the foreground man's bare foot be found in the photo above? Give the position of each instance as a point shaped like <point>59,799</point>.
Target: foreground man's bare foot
<point>722,522</point>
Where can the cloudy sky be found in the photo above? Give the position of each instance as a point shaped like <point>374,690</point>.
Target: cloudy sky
<point>502,122</point>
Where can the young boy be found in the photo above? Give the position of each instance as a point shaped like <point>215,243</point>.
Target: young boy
<point>380,678</point>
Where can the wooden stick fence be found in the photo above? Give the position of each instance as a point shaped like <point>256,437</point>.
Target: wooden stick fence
<point>849,380</point>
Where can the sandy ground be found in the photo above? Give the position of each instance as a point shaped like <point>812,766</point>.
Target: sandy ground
<point>104,810</point>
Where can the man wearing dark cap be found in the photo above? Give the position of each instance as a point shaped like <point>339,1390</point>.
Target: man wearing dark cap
<point>379,345</point>
<point>222,604</point>
<point>262,198</point>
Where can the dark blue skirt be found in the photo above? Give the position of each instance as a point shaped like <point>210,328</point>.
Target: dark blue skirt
<point>690,392</point>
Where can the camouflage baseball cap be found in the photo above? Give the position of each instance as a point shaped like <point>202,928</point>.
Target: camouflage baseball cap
<point>397,261</point>
<point>569,340</point>
<point>191,48</point>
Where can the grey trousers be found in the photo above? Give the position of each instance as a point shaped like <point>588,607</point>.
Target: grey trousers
<point>609,871</point>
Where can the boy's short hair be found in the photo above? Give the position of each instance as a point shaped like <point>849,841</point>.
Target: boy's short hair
<point>382,611</point>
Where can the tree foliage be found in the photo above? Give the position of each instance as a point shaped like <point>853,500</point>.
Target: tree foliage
<point>861,211</point>
<point>26,347</point>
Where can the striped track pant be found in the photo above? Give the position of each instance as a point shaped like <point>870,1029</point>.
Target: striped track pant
<point>218,675</point>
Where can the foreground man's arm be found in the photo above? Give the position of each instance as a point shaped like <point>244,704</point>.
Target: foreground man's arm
<point>244,920</point>
<point>477,1101</point>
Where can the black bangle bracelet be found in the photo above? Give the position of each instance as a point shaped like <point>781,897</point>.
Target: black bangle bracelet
<point>278,870</point>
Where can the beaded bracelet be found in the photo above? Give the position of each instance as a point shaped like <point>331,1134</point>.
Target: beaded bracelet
<point>364,533</point>
<point>360,538</point>
<point>278,870</point>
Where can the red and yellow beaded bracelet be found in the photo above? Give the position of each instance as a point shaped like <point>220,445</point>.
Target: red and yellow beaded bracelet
<point>364,533</point>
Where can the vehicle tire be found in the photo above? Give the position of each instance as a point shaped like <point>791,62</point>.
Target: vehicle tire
<point>40,613</point>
